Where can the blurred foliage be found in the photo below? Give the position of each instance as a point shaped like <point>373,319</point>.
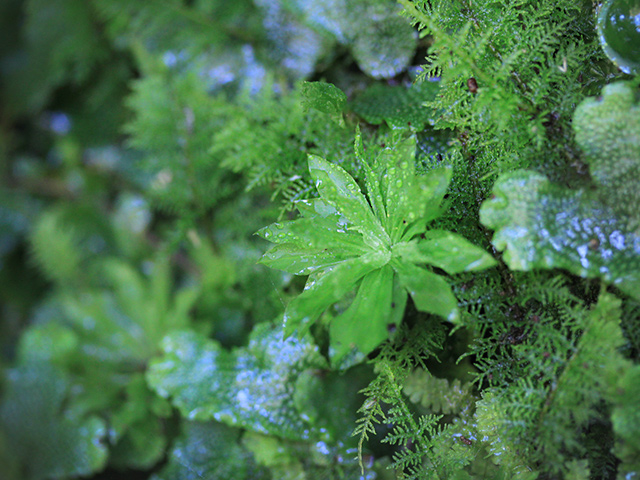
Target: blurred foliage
<point>473,315</point>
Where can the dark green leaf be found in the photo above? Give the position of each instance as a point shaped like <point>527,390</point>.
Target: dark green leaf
<point>49,440</point>
<point>430,292</point>
<point>364,324</point>
<point>209,450</point>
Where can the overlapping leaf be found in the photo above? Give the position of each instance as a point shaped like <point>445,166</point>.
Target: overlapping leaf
<point>346,241</point>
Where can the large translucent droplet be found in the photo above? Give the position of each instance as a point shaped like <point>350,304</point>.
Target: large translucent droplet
<point>619,32</point>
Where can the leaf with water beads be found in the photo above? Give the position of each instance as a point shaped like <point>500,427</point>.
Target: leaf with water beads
<point>541,225</point>
<point>325,288</point>
<point>340,190</point>
<point>446,250</point>
<point>251,387</point>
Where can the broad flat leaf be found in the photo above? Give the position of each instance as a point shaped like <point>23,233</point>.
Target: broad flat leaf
<point>250,387</point>
<point>430,292</point>
<point>209,450</point>
<point>50,441</point>
<point>446,250</point>
<point>324,97</point>
<point>326,288</point>
<point>541,225</point>
<point>338,188</point>
<point>364,324</point>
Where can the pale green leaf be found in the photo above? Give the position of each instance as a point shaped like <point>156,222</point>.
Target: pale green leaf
<point>541,225</point>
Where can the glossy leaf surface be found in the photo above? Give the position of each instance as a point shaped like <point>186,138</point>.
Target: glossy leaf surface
<point>250,387</point>
<point>346,241</point>
<point>593,233</point>
<point>540,225</point>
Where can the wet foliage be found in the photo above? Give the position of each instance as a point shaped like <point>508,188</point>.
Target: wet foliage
<point>337,239</point>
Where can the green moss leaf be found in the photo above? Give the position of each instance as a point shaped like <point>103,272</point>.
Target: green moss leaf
<point>250,387</point>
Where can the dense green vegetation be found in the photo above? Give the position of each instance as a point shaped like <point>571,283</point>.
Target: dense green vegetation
<point>337,239</point>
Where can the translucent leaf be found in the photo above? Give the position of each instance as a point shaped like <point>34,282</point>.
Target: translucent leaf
<point>365,323</point>
<point>209,450</point>
<point>398,106</point>
<point>50,441</point>
<point>250,387</point>
<point>430,292</point>
<point>339,189</point>
<point>324,97</point>
<point>326,288</point>
<point>446,250</point>
<point>541,225</point>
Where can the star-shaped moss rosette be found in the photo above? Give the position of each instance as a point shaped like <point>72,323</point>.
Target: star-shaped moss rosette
<point>379,246</point>
<point>593,233</point>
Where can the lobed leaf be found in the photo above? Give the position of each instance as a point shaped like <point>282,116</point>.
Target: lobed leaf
<point>541,225</point>
<point>250,387</point>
